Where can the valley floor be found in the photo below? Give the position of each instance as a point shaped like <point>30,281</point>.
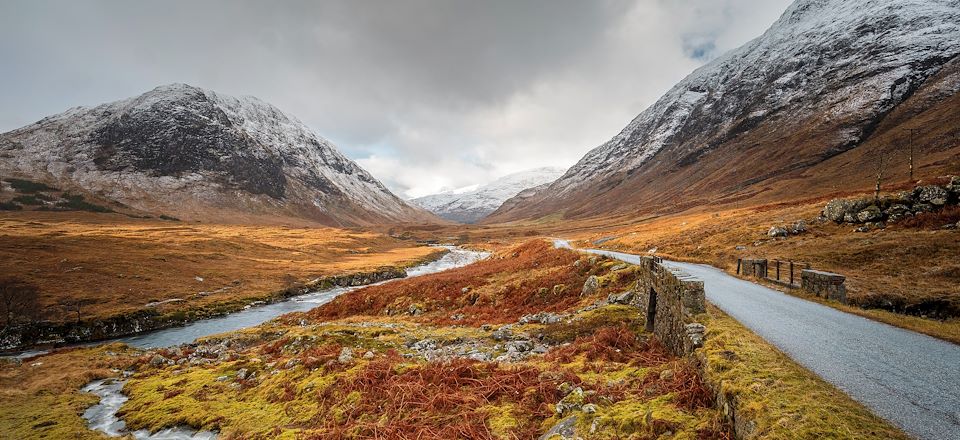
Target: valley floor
<point>511,347</point>
<point>111,264</point>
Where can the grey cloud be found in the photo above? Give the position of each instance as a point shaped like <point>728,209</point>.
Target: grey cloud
<point>425,94</point>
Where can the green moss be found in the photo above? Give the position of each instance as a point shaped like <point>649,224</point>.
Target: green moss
<point>587,322</point>
<point>501,420</point>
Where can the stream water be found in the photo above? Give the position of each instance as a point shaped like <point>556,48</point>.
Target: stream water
<point>103,416</point>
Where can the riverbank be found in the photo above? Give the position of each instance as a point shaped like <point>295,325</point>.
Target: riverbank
<point>27,337</point>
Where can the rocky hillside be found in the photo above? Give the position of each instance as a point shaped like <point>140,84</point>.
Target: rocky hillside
<point>805,108</point>
<point>196,154</point>
<point>471,205</point>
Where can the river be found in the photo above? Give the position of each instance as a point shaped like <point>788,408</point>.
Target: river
<point>103,416</point>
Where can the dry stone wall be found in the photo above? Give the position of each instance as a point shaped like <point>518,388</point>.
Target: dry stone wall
<point>824,284</point>
<point>672,300</point>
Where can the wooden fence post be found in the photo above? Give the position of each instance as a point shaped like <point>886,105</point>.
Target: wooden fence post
<point>738,265</point>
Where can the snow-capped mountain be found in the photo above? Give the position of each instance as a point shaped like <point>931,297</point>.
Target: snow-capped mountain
<point>472,204</point>
<point>185,151</point>
<point>823,80</point>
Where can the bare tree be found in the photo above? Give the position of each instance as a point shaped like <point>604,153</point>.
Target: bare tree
<point>76,305</point>
<point>18,300</point>
<point>913,131</point>
<point>882,161</point>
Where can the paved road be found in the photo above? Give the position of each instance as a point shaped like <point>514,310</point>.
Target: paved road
<point>910,379</point>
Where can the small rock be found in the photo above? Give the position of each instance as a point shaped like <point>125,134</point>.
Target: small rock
<point>222,378</point>
<point>504,333</point>
<point>242,373</point>
<point>157,360</point>
<point>695,332</point>
<point>777,231</point>
<point>414,310</point>
<point>590,286</point>
<point>798,227</point>
<point>346,355</point>
<point>457,317</point>
<point>368,355</point>
<point>621,298</point>
<point>741,248</point>
<point>465,290</point>
<point>520,346</point>
<point>589,408</point>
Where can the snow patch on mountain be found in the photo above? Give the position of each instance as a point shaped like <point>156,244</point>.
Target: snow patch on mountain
<point>470,204</point>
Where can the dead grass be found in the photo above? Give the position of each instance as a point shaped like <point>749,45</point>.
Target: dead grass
<point>123,263</point>
<point>529,278</point>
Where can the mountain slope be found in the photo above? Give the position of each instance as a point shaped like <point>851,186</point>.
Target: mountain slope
<point>196,154</point>
<point>795,103</point>
<point>473,205</point>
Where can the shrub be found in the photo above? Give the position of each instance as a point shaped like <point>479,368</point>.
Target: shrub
<point>77,203</point>
<point>28,199</point>
<point>933,220</point>
<point>10,206</point>
<point>26,186</point>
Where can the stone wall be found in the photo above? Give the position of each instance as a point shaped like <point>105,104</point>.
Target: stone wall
<point>672,300</point>
<point>824,284</point>
<point>753,267</point>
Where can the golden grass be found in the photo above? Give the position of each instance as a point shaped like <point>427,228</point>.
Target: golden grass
<point>41,398</point>
<point>781,398</point>
<point>124,263</point>
<point>910,266</point>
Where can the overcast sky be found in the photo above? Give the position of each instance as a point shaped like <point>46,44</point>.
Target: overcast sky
<point>426,95</point>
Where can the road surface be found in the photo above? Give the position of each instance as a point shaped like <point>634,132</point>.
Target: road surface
<point>910,379</point>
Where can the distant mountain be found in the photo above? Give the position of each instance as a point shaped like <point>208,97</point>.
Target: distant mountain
<point>804,109</point>
<point>469,206</point>
<point>196,154</point>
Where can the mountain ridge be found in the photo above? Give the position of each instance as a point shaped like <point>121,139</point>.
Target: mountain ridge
<point>197,154</point>
<point>783,103</point>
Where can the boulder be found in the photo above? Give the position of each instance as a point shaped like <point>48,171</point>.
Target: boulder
<point>799,227</point>
<point>932,194</point>
<point>954,185</point>
<point>777,231</point>
<point>871,213</point>
<point>922,207</point>
<point>504,333</point>
<point>838,210</point>
<point>897,209</point>
<point>621,298</point>
<point>590,286</point>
